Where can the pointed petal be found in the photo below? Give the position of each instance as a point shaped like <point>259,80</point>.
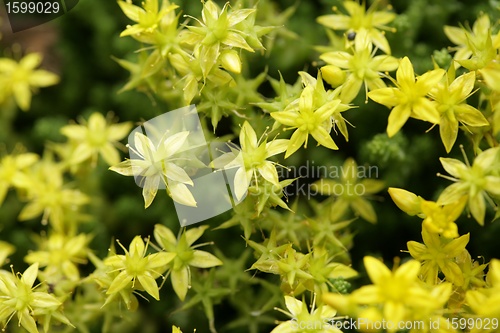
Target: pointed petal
<point>137,247</point>
<point>203,259</point>
<point>276,147</point>
<point>180,282</point>
<point>149,284</point>
<point>150,189</point>
<point>376,270</point>
<point>120,282</point>
<point>398,117</point>
<point>296,141</point>
<point>174,142</point>
<point>454,167</point>
<point>181,194</point>
<point>30,274</point>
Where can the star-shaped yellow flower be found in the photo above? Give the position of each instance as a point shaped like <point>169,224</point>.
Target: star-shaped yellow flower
<point>252,161</point>
<point>312,114</point>
<point>439,254</point>
<point>409,97</point>
<point>96,137</point>
<point>450,97</point>
<point>473,182</point>
<point>359,18</point>
<point>362,65</point>
<point>20,78</point>
<point>147,17</point>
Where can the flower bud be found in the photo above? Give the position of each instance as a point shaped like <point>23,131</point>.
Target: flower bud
<point>333,75</point>
<point>406,201</point>
<point>231,61</point>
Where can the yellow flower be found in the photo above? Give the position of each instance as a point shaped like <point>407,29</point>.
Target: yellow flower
<point>252,161</point>
<point>359,18</point>
<point>485,302</point>
<point>18,297</point>
<point>473,182</point>
<point>184,256</point>
<point>362,65</point>
<point>148,18</point>
<point>350,191</point>
<point>19,79</point>
<point>409,97</point>
<point>441,219</point>
<point>439,254</point>
<point>48,195</point>
<point>312,114</point>
<point>450,96</point>
<point>218,31</point>
<point>13,171</point>
<point>155,164</point>
<point>399,294</point>
<point>97,137</point>
<point>60,254</point>
<point>466,40</point>
<point>138,267</point>
<point>318,320</point>
<point>6,250</point>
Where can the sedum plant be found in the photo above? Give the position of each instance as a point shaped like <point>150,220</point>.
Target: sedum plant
<point>290,241</point>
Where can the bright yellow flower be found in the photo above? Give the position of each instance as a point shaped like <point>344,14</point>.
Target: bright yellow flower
<point>439,254</point>
<point>312,114</point>
<point>318,320</point>
<point>466,40</point>
<point>19,297</point>
<point>441,219</point>
<point>450,96</point>
<point>136,266</point>
<point>6,250</point>
<point>48,195</point>
<point>147,17</point>
<point>185,255</point>
<point>362,65</point>
<point>409,97</point>
<point>359,18</point>
<point>60,254</point>
<point>351,191</point>
<point>13,171</point>
<point>252,161</point>
<point>485,302</point>
<point>399,294</point>
<point>473,182</point>
<point>20,79</point>
<point>217,31</point>
<point>96,137</point>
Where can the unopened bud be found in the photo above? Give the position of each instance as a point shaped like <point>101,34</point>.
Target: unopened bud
<point>406,201</point>
<point>231,61</point>
<point>333,75</point>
